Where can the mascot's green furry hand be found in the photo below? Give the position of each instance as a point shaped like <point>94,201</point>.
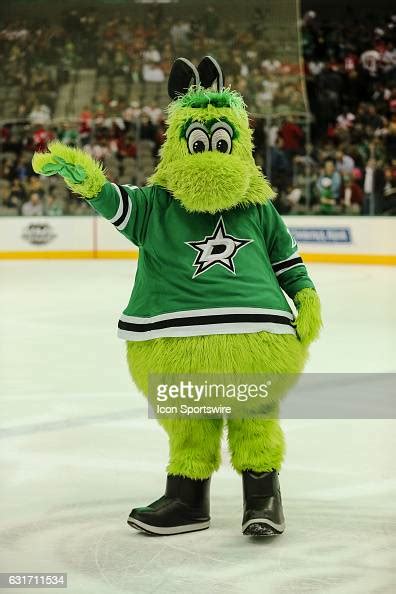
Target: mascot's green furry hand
<point>309,319</point>
<point>72,173</point>
<point>81,173</point>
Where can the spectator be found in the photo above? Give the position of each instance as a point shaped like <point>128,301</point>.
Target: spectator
<point>281,172</point>
<point>390,140</point>
<point>52,207</point>
<point>40,115</point>
<point>180,32</point>
<point>369,188</point>
<point>344,163</point>
<point>292,136</point>
<point>68,134</point>
<point>33,207</point>
<point>152,72</point>
<point>370,60</point>
<point>147,129</point>
<point>35,185</point>
<point>86,116</point>
<point>389,193</point>
<point>16,197</point>
<point>352,196</point>
<point>151,54</point>
<point>41,137</point>
<point>23,168</point>
<point>329,188</point>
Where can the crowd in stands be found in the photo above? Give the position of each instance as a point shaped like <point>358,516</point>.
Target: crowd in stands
<point>341,161</point>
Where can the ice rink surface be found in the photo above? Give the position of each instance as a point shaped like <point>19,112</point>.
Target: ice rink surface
<point>78,451</point>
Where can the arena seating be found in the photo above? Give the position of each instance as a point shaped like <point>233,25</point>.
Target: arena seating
<point>100,83</point>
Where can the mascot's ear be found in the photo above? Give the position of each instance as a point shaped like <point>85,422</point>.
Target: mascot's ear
<point>210,71</point>
<point>181,77</point>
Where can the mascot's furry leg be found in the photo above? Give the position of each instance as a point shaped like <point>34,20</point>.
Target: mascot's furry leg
<point>256,444</point>
<point>257,449</point>
<point>194,446</point>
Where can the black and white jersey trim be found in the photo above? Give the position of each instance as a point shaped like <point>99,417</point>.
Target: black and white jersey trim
<point>290,262</point>
<point>236,320</point>
<point>123,214</point>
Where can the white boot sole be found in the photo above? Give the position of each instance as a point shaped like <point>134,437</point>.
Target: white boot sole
<point>166,530</point>
<point>264,527</point>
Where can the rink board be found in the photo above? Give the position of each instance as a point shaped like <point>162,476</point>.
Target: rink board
<point>321,239</point>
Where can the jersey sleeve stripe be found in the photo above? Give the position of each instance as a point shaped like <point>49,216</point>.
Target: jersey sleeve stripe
<point>294,255</point>
<point>287,264</point>
<point>125,208</point>
<point>289,268</point>
<point>120,205</point>
<point>125,222</point>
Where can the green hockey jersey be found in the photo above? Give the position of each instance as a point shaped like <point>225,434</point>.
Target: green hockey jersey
<point>201,273</point>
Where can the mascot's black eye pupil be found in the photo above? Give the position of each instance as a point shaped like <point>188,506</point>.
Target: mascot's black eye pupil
<point>222,146</point>
<point>198,146</point>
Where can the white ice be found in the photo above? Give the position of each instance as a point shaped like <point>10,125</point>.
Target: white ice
<point>78,451</point>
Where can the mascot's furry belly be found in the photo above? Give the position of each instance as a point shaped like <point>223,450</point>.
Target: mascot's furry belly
<point>256,353</point>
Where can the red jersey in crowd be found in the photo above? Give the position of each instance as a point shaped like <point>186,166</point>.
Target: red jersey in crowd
<point>292,136</point>
<point>41,137</point>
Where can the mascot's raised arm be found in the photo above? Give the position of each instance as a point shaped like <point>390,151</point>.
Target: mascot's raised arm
<point>215,259</point>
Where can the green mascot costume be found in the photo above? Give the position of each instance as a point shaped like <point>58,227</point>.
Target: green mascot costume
<point>215,263</point>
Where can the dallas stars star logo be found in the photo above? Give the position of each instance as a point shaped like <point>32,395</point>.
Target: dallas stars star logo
<point>218,248</point>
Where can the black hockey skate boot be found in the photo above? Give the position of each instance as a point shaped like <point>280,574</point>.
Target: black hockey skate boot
<point>183,508</point>
<point>262,504</point>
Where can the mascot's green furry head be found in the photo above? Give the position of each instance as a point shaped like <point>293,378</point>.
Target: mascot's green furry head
<point>207,161</point>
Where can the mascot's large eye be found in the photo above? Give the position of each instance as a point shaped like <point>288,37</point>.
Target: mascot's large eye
<point>197,139</point>
<point>221,139</point>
